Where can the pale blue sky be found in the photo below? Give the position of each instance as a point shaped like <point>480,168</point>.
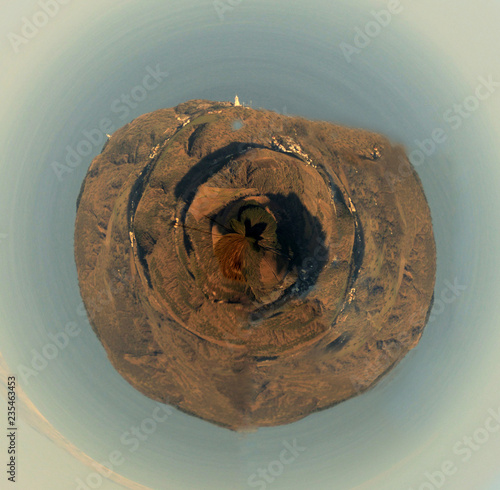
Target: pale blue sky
<point>279,55</point>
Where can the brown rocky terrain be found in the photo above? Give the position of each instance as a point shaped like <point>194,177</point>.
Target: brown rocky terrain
<point>251,268</point>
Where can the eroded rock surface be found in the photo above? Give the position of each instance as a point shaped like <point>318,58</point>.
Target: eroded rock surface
<point>251,268</point>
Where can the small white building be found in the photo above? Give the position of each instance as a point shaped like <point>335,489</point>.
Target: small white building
<point>237,101</point>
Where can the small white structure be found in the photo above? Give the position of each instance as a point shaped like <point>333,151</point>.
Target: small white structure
<point>237,102</point>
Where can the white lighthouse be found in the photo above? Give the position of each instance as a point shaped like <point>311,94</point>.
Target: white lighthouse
<point>237,101</point>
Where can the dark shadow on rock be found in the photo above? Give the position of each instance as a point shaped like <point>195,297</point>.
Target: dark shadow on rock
<point>207,167</point>
<point>307,254</point>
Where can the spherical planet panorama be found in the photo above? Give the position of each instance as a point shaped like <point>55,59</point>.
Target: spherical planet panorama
<point>251,268</point>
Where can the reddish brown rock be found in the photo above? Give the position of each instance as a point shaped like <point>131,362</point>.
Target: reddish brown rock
<point>253,276</point>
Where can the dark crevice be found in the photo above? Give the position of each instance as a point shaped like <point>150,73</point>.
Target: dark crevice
<point>339,343</point>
